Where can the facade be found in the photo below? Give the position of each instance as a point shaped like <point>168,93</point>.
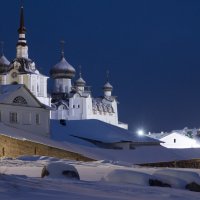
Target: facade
<point>22,70</point>
<point>20,109</point>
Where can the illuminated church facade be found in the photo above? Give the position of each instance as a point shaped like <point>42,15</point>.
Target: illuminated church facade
<point>69,100</point>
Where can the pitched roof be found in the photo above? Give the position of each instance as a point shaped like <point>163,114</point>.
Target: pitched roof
<point>95,130</point>
<point>7,90</point>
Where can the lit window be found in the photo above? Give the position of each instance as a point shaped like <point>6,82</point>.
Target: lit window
<point>20,100</point>
<point>37,119</point>
<point>13,117</point>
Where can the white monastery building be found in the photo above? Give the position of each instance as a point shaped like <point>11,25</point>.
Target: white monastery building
<point>69,100</point>
<point>76,102</point>
<point>20,109</point>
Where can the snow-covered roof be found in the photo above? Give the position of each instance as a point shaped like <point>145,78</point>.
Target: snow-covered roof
<point>7,90</point>
<point>24,65</point>
<point>80,82</point>
<point>159,135</point>
<point>107,87</point>
<point>95,130</point>
<point>62,69</point>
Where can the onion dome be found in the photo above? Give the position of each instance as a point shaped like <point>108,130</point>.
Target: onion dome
<point>4,62</point>
<point>80,82</point>
<point>62,69</point>
<point>107,87</point>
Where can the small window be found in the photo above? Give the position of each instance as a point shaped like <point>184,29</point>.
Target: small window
<point>37,119</point>
<point>78,106</point>
<point>73,106</point>
<point>13,118</point>
<point>0,116</point>
<point>174,140</point>
<point>20,100</point>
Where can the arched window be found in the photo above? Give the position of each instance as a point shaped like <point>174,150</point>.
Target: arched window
<point>20,100</point>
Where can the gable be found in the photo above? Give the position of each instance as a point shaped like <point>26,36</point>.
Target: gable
<point>19,97</point>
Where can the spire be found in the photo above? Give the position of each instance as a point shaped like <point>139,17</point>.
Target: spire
<point>22,29</point>
<point>107,75</point>
<point>107,86</point>
<point>80,75</point>
<point>22,48</point>
<point>62,43</point>
<point>2,45</point>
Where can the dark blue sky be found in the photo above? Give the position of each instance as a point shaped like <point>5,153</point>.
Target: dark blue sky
<point>152,49</point>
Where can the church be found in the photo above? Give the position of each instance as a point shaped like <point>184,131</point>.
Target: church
<point>70,100</point>
<point>69,114</point>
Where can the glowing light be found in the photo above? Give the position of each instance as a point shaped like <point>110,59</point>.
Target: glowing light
<point>140,132</point>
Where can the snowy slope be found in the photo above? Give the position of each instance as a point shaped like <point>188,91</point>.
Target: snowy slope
<point>99,180</point>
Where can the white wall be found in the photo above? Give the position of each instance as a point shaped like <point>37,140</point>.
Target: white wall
<point>26,118</point>
<point>81,108</point>
<point>176,140</point>
<point>36,83</point>
<point>26,113</point>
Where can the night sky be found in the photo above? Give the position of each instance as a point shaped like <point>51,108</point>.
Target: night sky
<point>151,48</point>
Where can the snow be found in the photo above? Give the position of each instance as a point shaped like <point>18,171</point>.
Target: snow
<point>105,132</point>
<point>99,180</point>
<point>185,138</point>
<point>56,169</point>
<point>139,155</point>
<point>183,175</point>
<point>7,90</point>
<point>127,176</point>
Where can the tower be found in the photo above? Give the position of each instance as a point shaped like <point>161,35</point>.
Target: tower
<point>22,47</point>
<point>107,88</point>
<point>62,73</point>
<point>80,83</point>
<point>22,70</point>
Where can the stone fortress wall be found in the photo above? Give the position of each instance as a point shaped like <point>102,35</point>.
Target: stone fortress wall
<point>12,147</point>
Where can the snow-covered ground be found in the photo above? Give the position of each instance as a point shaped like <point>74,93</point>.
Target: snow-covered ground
<point>21,179</point>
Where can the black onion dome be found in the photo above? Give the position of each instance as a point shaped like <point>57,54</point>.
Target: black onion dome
<point>80,82</point>
<point>62,70</point>
<point>108,87</point>
<point>4,64</point>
